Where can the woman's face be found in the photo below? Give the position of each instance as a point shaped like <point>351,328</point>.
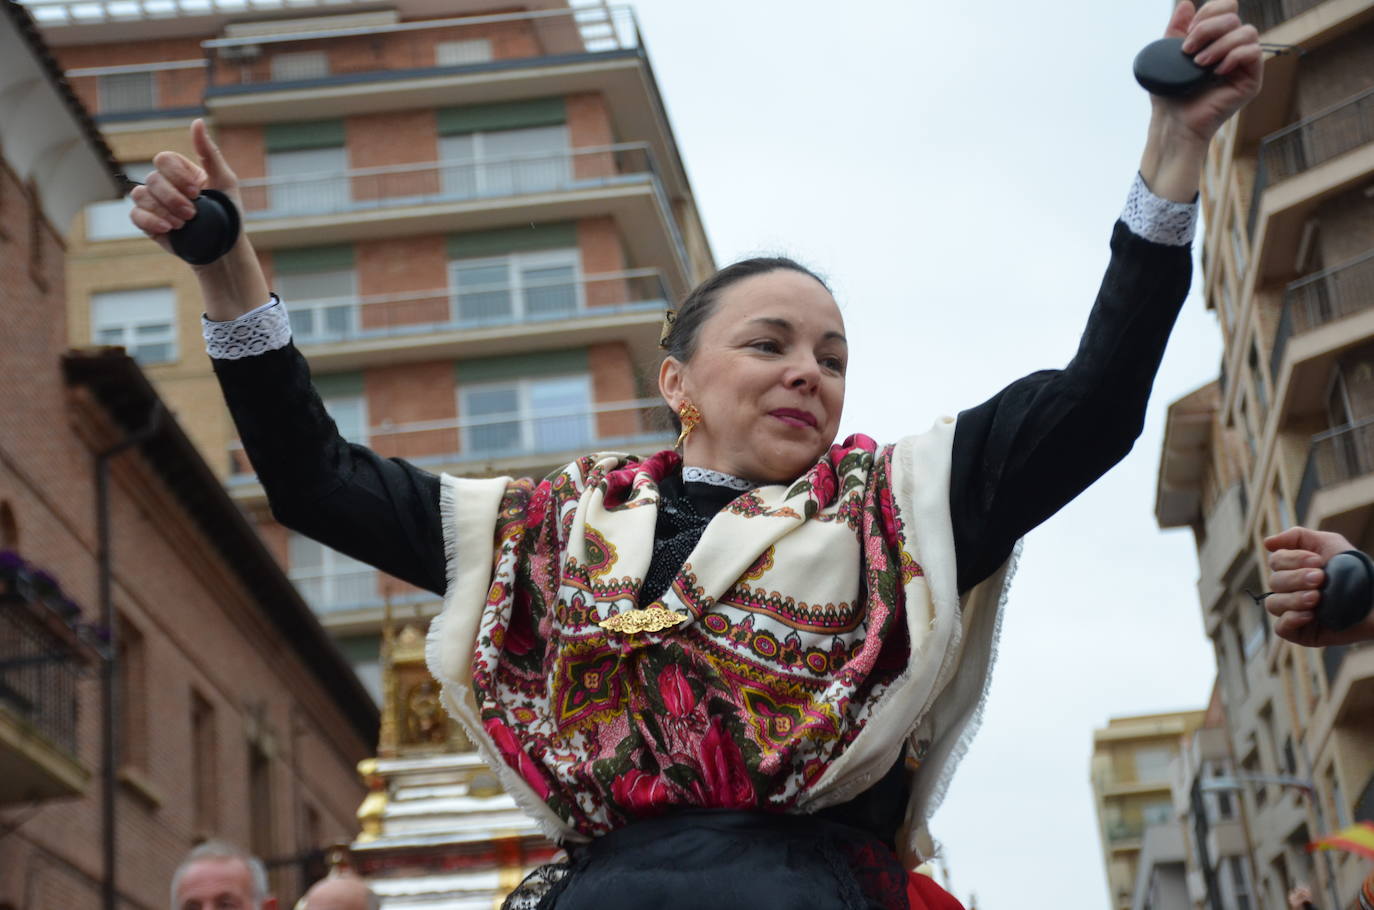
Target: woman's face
<point>767,376</point>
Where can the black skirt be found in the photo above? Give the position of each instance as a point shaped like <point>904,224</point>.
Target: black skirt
<point>729,860</point>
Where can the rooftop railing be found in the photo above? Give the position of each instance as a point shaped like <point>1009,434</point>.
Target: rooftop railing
<point>1310,142</point>
<point>1337,455</point>
<point>252,63</point>
<point>614,425</point>
<point>340,319</point>
<point>395,186</point>
<point>1320,298</point>
<point>331,55</point>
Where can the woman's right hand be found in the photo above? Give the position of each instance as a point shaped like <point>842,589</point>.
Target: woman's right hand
<point>1296,559</point>
<point>165,202</point>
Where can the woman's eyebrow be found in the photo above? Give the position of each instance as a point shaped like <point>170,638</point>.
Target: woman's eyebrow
<point>779,323</point>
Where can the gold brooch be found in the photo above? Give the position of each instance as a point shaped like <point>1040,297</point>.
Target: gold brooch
<point>654,619</point>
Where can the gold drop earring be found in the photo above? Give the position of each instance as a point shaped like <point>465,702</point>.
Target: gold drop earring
<point>690,417</point>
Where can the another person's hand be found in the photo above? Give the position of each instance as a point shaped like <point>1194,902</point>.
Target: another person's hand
<point>1300,897</point>
<point>1215,35</point>
<point>1296,558</point>
<point>164,203</point>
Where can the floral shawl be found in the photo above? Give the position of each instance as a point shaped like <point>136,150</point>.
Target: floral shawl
<point>821,622</point>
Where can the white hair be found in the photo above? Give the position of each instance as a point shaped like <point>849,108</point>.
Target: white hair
<point>220,850</point>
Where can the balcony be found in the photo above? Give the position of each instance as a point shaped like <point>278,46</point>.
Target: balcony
<point>172,88</point>
<point>1125,835</point>
<point>398,200</point>
<point>370,54</point>
<point>1224,543</point>
<point>448,323</point>
<point>1266,14</point>
<point>1304,164</point>
<point>1318,300</point>
<point>1349,671</point>
<point>493,443</point>
<point>42,654</point>
<point>1337,490</point>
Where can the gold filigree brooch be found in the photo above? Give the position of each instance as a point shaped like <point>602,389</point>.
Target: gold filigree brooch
<point>632,622</point>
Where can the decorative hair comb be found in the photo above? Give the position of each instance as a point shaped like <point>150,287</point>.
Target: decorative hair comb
<point>669,318</point>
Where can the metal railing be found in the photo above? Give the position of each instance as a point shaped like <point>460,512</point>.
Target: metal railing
<point>1117,832</point>
<point>1322,297</point>
<point>1265,14</point>
<point>622,424</point>
<point>425,47</point>
<point>393,186</point>
<point>1314,140</point>
<point>1337,455</point>
<point>339,319</point>
<point>41,660</point>
<point>336,55</point>
<point>332,591</point>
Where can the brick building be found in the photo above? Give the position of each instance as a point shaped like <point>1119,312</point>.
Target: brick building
<point>476,214</point>
<point>234,716</point>
<point>1285,436</point>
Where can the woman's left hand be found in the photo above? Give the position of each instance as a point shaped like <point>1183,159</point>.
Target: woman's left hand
<point>1215,36</point>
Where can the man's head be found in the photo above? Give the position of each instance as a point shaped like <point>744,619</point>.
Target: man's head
<point>343,892</point>
<point>220,876</point>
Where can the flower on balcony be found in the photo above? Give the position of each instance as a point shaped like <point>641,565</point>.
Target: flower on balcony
<point>34,585</point>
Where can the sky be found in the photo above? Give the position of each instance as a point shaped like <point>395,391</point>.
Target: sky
<point>955,170</point>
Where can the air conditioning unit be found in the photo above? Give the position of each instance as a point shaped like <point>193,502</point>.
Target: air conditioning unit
<point>241,52</point>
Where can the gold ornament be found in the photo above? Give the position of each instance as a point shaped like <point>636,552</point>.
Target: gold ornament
<point>669,318</point>
<point>653,619</point>
<point>691,419</point>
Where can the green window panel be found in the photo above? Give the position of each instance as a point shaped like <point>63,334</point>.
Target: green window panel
<point>310,134</point>
<point>476,244</point>
<point>521,366</point>
<point>312,259</point>
<point>506,115</point>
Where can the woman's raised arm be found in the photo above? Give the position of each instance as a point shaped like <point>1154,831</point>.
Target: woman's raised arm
<point>382,511</point>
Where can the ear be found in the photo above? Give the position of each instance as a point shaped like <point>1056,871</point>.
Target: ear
<point>672,382</point>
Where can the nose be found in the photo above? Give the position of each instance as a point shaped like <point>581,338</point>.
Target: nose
<point>803,374</point>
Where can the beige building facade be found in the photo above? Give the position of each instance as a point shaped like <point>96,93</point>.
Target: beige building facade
<point>1285,435</point>
<point>1132,794</point>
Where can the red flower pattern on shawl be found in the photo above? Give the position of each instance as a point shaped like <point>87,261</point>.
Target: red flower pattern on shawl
<point>675,691</point>
<point>516,757</point>
<point>724,775</point>
<point>640,793</point>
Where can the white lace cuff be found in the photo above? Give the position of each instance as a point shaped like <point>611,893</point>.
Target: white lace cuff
<point>258,331</point>
<point>1159,220</point>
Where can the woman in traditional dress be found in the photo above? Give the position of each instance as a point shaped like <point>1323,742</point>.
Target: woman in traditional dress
<point>737,674</point>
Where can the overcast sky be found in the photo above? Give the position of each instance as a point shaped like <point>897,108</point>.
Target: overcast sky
<point>955,170</point>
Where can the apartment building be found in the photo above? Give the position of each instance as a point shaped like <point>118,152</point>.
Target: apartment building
<point>161,681</point>
<point>1132,794</point>
<point>1284,435</point>
<point>476,213</point>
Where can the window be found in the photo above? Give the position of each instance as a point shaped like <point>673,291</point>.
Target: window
<point>505,162</point>
<point>132,678</point>
<point>1257,379</point>
<point>463,53</point>
<point>1240,882</point>
<point>350,416</point>
<point>204,758</point>
<point>306,181</point>
<point>1161,813</point>
<point>121,92</point>
<point>1152,764</point>
<point>1238,247</point>
<point>110,220</point>
<point>327,579</point>
<point>290,67</point>
<point>260,802</point>
<point>323,304</point>
<point>527,416</point>
<point>143,321</point>
<point>516,288</point>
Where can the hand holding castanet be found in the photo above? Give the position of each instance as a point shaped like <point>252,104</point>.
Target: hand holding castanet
<point>190,209</point>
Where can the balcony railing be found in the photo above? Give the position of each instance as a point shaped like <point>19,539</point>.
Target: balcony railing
<point>1310,142</point>
<point>408,49</point>
<point>1265,14</point>
<point>623,424</point>
<point>1334,656</point>
<point>395,186</point>
<point>1337,455</point>
<point>42,653</point>
<point>1320,298</point>
<point>1119,832</point>
<point>334,320</point>
<point>326,56</point>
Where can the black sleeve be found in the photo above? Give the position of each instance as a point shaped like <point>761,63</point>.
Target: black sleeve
<point>382,511</point>
<point>1020,456</point>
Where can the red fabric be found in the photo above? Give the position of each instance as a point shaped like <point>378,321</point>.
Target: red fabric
<point>924,894</point>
